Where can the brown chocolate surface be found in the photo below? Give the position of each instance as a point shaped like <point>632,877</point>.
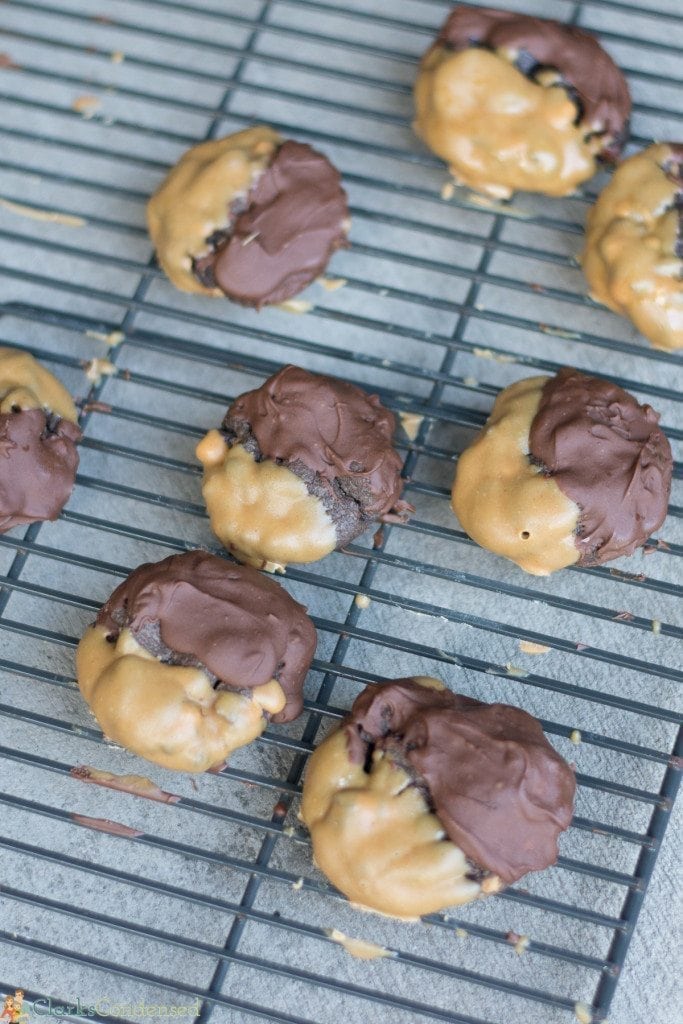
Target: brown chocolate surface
<point>283,232</point>
<point>599,86</point>
<point>499,789</point>
<point>608,454</point>
<point>198,609</point>
<point>38,463</point>
<point>334,436</point>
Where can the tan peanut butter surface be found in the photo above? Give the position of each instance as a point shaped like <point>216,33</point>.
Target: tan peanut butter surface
<point>194,200</point>
<point>503,501</point>
<point>169,714</point>
<point>498,130</point>
<point>261,511</point>
<point>633,256</point>
<point>25,384</point>
<point>375,838</point>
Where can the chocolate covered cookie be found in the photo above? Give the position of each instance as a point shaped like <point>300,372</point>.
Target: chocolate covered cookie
<point>633,257</point>
<point>516,102</point>
<point>424,799</point>
<point>251,216</point>
<point>301,466</point>
<point>191,657</point>
<point>568,469</point>
<point>38,437</point>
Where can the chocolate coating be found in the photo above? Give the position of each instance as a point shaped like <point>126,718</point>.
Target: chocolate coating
<point>38,463</point>
<point>283,233</point>
<point>499,789</point>
<point>334,436</point>
<point>598,84</point>
<point>198,609</point>
<point>608,454</point>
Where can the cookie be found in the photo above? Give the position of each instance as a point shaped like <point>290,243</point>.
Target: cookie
<point>302,465</point>
<point>38,437</point>
<point>191,657</point>
<point>251,216</point>
<point>516,102</point>
<point>424,799</point>
<point>633,257</point>
<point>568,470</point>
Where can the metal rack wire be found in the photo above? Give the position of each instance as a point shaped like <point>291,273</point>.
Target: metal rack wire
<point>211,899</point>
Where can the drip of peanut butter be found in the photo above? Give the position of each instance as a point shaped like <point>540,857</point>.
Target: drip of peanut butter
<point>609,456</point>
<point>515,102</point>
<point>633,256</point>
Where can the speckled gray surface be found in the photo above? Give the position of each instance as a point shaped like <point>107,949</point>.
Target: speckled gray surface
<point>435,291</point>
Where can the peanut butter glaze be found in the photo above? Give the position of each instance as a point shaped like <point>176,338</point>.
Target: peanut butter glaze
<point>498,787</point>
<point>331,434</point>
<point>199,610</point>
<point>608,454</point>
<point>594,78</point>
<point>295,215</point>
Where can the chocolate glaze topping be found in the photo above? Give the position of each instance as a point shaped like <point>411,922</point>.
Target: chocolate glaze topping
<point>608,454</point>
<point>284,232</point>
<point>334,436</point>
<point>501,792</point>
<point>198,609</point>
<point>594,80</point>
<point>38,463</point>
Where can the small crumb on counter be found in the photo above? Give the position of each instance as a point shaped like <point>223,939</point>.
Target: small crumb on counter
<point>359,948</point>
<point>461,933</point>
<point>411,423</point>
<point>362,601</point>
<point>575,736</point>
<point>86,105</point>
<point>582,1013</point>
<point>656,627</point>
<point>528,647</point>
<point>470,382</point>
<point>332,284</point>
<point>117,57</point>
<point>299,306</point>
<point>519,943</point>
<point>299,884</point>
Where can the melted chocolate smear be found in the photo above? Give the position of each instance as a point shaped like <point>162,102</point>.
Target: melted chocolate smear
<point>499,789</point>
<point>608,454</point>
<point>200,610</point>
<point>282,234</point>
<point>591,77</point>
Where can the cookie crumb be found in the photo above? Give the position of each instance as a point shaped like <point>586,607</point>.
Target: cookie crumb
<point>332,284</point>
<point>557,332</point>
<point>86,105</point>
<point>575,736</point>
<point>52,216</point>
<point>299,306</point>
<point>623,616</point>
<point>96,369</point>
<point>359,948</point>
<point>362,601</point>
<point>528,647</point>
<point>461,933</point>
<point>411,423</point>
<point>520,943</point>
<point>582,1013</point>
<point>136,785</point>
<point>513,670</point>
<point>112,339</point>
<point>117,57</point>
<point>288,830</point>
<point>7,63</point>
<point>487,353</point>
<point>470,382</point>
<point>656,627</point>
<point>299,884</point>
<point>447,190</point>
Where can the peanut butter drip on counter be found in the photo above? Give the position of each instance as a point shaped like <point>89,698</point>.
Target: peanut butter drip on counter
<point>503,500</point>
<point>240,628</point>
<point>38,438</point>
<point>497,786</point>
<point>296,216</point>
<point>375,837</point>
<point>633,257</point>
<point>515,102</point>
<point>194,201</point>
<point>608,454</point>
<point>166,713</point>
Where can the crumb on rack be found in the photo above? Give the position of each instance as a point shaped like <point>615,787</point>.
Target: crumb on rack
<point>529,647</point>
<point>86,105</point>
<point>362,601</point>
<point>299,306</point>
<point>112,339</point>
<point>411,423</point>
<point>575,736</point>
<point>656,626</point>
<point>52,216</point>
<point>332,284</point>
<point>513,670</point>
<point>96,369</point>
<point>447,190</point>
<point>498,357</point>
<point>299,884</point>
<point>582,1013</point>
<point>359,948</point>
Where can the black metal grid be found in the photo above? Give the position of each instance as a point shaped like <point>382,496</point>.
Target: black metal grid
<point>138,494</point>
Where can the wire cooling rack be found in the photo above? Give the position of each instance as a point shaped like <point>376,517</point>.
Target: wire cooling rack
<point>210,902</point>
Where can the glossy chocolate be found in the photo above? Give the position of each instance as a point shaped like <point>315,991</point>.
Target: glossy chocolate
<point>283,233</point>
<point>334,436</point>
<point>598,84</point>
<point>608,454</point>
<point>499,789</point>
<point>198,609</point>
<point>38,463</point>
